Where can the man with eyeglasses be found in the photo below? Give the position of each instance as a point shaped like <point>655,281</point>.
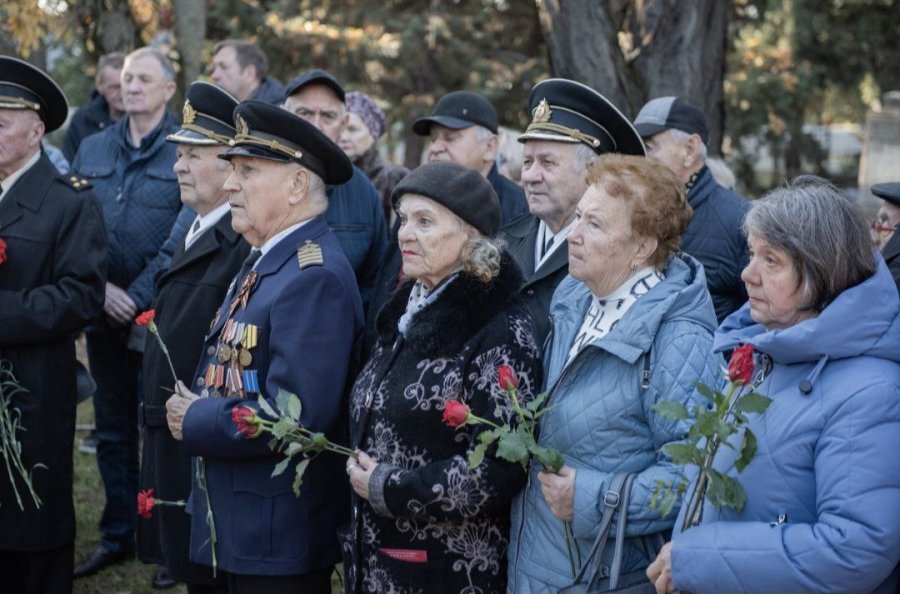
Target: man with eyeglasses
<point>885,225</point>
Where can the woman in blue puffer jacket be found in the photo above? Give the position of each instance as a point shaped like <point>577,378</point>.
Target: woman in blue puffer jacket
<point>823,491</point>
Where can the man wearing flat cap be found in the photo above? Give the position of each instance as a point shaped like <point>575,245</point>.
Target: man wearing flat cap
<point>463,129</point>
<point>187,296</point>
<point>675,133</point>
<point>571,124</point>
<point>292,321</point>
<point>354,210</point>
<point>52,278</point>
<point>885,226</point>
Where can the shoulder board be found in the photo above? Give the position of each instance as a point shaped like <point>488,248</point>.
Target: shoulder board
<point>79,184</point>
<point>309,254</point>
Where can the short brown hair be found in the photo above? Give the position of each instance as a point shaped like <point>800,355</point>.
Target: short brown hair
<point>246,54</point>
<point>111,60</point>
<point>659,207</point>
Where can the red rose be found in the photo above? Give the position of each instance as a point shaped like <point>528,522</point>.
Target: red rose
<point>456,414</point>
<point>245,420</point>
<point>740,368</point>
<point>2,251</point>
<point>507,377</point>
<point>145,318</point>
<point>145,504</point>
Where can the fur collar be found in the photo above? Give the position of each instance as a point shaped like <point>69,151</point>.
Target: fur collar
<point>460,311</point>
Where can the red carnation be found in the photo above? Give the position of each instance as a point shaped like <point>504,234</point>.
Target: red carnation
<point>507,377</point>
<point>145,504</point>
<point>145,318</point>
<point>456,414</point>
<point>2,251</point>
<point>740,368</point>
<point>245,420</point>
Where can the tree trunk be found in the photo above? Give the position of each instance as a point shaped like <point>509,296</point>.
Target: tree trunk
<point>632,51</point>
<point>190,31</point>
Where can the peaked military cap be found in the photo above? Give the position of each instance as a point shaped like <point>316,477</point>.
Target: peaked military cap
<point>269,132</point>
<point>207,117</point>
<point>568,111</point>
<point>889,191</point>
<point>458,110</point>
<point>317,77</point>
<point>23,86</point>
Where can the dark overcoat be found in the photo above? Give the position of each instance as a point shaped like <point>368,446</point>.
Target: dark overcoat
<point>891,253</point>
<point>309,322</point>
<point>187,296</point>
<point>520,236</point>
<point>51,286</point>
<point>431,524</point>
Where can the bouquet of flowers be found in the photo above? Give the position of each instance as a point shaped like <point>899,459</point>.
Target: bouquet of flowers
<point>10,447</point>
<point>711,428</point>
<point>289,437</point>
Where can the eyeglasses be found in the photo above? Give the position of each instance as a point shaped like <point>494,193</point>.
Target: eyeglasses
<point>881,225</point>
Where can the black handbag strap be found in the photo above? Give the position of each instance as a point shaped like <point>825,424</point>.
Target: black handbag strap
<point>618,492</point>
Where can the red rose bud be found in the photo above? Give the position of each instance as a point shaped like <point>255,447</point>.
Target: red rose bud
<point>456,414</point>
<point>507,377</point>
<point>145,318</point>
<point>245,420</point>
<point>145,503</point>
<point>740,368</point>
<point>2,251</point>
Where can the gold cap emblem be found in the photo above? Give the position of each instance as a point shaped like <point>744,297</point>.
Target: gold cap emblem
<point>541,113</point>
<point>188,114</point>
<point>241,125</point>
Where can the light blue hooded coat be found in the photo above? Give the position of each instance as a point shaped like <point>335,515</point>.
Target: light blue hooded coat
<point>602,422</point>
<point>823,492</point>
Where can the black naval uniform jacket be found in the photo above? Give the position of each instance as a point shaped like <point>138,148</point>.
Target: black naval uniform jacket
<point>307,324</point>
<point>520,236</point>
<point>187,297</point>
<point>891,253</point>
<point>52,285</point>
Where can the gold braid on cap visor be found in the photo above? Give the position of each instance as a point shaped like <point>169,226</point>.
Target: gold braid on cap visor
<point>270,143</point>
<point>18,103</point>
<point>208,133</point>
<point>565,131</point>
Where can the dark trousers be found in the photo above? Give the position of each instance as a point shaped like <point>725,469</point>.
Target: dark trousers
<point>116,371</point>
<point>315,582</point>
<point>44,572</point>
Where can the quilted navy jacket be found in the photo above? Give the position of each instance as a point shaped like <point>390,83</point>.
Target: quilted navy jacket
<point>602,422</point>
<point>823,491</point>
<point>140,199</point>
<point>716,239</point>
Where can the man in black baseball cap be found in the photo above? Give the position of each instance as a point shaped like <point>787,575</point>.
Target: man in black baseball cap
<point>571,124</point>
<point>884,228</point>
<point>354,208</point>
<point>676,134</point>
<point>463,129</point>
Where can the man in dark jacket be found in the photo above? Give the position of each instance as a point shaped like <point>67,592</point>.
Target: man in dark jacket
<point>676,134</point>
<point>571,124</point>
<point>103,110</point>
<point>188,294</point>
<point>241,68</point>
<point>354,207</point>
<point>885,226</point>
<point>52,277</point>
<point>130,166</point>
<point>291,321</point>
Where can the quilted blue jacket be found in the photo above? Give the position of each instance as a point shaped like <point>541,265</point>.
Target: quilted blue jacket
<point>602,422</point>
<point>140,197</point>
<point>823,492</point>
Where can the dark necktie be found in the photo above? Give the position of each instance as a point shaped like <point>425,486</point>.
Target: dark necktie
<point>548,245</point>
<point>195,227</point>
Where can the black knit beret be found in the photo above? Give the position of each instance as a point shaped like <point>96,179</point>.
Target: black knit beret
<point>467,193</point>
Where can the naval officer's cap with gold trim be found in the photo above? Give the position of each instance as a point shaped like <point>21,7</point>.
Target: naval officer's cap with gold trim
<point>269,132</point>
<point>567,111</point>
<point>207,117</point>
<point>23,86</point>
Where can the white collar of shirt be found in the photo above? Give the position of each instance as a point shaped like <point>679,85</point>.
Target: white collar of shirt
<point>273,241</point>
<point>11,179</point>
<point>206,221</point>
<point>544,235</point>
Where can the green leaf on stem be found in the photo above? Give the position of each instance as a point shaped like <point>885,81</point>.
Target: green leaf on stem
<point>748,450</point>
<point>282,427</point>
<point>477,455</point>
<point>280,467</point>
<point>725,491</point>
<point>753,403</point>
<point>705,426</point>
<point>298,477</point>
<point>704,390</point>
<point>671,410</point>
<point>723,431</point>
<point>512,447</point>
<point>266,407</point>
<point>294,407</point>
<point>488,436</point>
<point>549,458</point>
<point>684,453</point>
<point>534,404</point>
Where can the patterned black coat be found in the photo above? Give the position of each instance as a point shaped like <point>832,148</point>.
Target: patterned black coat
<point>431,525</point>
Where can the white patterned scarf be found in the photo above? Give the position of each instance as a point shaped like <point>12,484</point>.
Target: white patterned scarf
<point>419,297</point>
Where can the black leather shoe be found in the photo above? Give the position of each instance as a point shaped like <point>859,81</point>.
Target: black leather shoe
<point>100,559</point>
<point>162,580</point>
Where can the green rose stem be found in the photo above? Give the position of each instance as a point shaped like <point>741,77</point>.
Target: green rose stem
<point>210,521</point>
<point>151,326</point>
<point>11,449</point>
<point>314,441</point>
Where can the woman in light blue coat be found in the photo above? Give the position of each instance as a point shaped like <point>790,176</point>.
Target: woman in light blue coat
<point>632,326</point>
<point>823,491</point>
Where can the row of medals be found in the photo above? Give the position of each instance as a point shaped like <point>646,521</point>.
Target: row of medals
<point>233,354</point>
